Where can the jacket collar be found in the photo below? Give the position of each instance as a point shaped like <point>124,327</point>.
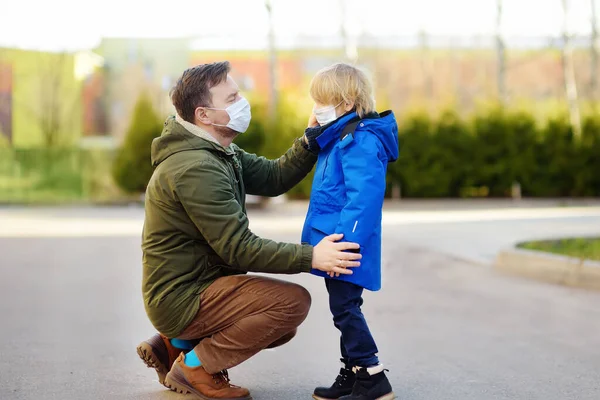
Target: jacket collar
<point>202,134</point>
<point>195,129</point>
<point>333,130</point>
<point>176,138</point>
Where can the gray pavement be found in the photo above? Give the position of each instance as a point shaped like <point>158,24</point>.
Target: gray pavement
<point>447,326</point>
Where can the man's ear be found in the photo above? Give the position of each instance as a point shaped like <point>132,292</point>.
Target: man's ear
<point>201,116</point>
<point>348,106</point>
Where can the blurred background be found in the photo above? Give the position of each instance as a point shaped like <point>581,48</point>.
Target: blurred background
<point>495,98</point>
<point>498,107</point>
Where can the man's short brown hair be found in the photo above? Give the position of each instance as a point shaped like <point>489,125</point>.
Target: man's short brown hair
<point>193,87</point>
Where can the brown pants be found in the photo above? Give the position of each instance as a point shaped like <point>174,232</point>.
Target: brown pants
<point>241,315</point>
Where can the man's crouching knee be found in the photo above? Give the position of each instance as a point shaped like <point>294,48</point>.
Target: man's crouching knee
<point>299,303</point>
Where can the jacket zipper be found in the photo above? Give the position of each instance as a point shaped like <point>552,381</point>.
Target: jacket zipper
<point>232,164</point>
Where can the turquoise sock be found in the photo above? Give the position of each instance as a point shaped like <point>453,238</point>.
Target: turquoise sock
<point>183,344</point>
<point>192,360</point>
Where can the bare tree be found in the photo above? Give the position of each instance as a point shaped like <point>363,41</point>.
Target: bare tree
<point>569,73</point>
<point>5,97</point>
<point>500,54</point>
<point>427,67</point>
<point>273,85</point>
<point>350,49</point>
<point>594,53</point>
<point>53,99</point>
<point>455,57</point>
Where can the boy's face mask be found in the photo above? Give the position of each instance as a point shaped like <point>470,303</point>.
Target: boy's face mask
<point>326,114</point>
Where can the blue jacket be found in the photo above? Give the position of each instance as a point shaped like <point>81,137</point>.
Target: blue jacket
<point>348,190</point>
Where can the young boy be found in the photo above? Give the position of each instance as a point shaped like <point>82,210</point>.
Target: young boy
<point>356,144</point>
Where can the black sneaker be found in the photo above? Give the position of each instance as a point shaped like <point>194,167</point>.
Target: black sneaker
<point>370,387</point>
<point>341,387</point>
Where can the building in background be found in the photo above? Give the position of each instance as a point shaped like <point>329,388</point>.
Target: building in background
<point>5,102</point>
<point>86,98</point>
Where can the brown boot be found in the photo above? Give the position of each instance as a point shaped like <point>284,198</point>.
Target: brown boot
<point>158,353</point>
<point>196,380</point>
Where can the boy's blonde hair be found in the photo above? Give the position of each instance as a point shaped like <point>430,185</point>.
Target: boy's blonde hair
<point>343,83</point>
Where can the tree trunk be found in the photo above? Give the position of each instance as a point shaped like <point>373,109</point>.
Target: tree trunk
<point>273,92</point>
<point>500,55</point>
<point>427,67</point>
<point>569,73</point>
<point>594,54</point>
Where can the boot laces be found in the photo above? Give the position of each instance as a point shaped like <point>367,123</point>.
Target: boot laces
<point>342,377</point>
<point>221,378</point>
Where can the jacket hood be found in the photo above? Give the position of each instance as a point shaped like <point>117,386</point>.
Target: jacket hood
<point>383,125</point>
<point>175,138</point>
<point>386,129</point>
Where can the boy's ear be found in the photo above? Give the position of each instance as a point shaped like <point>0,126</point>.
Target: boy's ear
<point>348,106</point>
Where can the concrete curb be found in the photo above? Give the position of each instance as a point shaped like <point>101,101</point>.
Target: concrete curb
<point>563,270</point>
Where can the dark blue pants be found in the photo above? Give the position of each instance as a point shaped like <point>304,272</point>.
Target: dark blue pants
<point>356,343</point>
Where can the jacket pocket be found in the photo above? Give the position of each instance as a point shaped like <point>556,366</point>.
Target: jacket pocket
<point>322,225</point>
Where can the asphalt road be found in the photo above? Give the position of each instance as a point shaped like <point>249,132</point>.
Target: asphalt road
<point>447,326</point>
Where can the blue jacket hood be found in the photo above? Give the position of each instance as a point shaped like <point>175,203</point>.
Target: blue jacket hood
<point>386,129</point>
<point>383,125</point>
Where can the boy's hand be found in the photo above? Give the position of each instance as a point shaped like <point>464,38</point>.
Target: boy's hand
<point>310,136</point>
<point>312,121</point>
<point>331,257</point>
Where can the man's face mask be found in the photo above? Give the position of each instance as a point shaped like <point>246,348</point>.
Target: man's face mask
<point>326,114</point>
<point>239,115</point>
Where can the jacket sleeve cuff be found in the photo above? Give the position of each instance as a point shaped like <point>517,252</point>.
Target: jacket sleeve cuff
<point>307,255</point>
<point>307,147</point>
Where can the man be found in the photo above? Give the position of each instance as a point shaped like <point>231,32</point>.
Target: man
<point>197,246</point>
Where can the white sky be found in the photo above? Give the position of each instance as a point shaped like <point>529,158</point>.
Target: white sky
<point>71,24</point>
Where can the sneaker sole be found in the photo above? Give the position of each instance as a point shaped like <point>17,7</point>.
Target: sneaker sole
<point>314,396</point>
<point>179,385</point>
<point>147,355</point>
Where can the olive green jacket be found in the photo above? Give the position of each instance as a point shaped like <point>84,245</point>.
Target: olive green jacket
<point>195,227</point>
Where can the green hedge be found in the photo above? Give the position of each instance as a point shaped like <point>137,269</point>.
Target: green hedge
<point>450,156</point>
<point>132,166</point>
<point>485,156</point>
<point>56,176</point>
<point>447,156</point>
